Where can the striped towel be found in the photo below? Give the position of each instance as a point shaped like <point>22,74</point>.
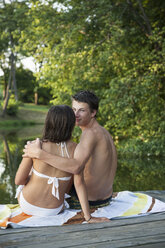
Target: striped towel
<point>12,215</point>
<point>124,204</point>
<point>128,204</point>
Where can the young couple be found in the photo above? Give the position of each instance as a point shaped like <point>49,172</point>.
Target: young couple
<point>92,162</point>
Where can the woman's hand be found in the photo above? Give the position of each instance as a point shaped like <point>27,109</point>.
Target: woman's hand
<point>98,220</point>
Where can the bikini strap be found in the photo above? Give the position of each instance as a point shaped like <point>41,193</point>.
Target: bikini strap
<point>52,180</point>
<point>66,150</point>
<point>63,146</point>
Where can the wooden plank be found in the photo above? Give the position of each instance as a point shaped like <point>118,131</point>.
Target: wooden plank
<point>77,238</point>
<point>135,242</point>
<point>125,243</point>
<point>72,228</point>
<point>155,241</point>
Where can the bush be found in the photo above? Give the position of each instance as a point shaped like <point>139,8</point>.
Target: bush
<point>152,147</point>
<point>12,108</point>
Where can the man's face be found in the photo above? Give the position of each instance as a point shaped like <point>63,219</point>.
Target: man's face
<point>82,112</point>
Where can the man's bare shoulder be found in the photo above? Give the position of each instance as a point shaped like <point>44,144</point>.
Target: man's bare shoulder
<point>97,131</point>
<point>89,132</point>
<point>90,136</point>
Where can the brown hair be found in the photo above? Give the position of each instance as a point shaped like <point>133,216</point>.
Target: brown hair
<point>88,97</point>
<point>59,124</point>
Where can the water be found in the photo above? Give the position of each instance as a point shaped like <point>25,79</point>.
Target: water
<point>132,174</point>
<point>11,149</point>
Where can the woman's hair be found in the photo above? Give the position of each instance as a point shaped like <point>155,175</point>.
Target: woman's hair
<point>59,124</point>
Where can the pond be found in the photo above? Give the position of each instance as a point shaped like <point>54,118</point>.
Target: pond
<point>134,174</point>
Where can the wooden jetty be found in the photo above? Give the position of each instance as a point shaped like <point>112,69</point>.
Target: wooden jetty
<point>147,231</point>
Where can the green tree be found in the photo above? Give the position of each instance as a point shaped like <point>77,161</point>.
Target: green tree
<point>115,48</point>
<point>12,21</point>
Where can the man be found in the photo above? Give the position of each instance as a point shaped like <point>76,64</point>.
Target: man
<point>95,153</point>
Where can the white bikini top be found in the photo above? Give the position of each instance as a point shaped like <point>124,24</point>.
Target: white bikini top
<point>55,180</point>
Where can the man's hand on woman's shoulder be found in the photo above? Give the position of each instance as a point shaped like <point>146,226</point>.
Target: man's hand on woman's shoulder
<point>32,149</point>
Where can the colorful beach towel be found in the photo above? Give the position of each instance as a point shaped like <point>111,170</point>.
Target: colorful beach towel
<point>124,204</point>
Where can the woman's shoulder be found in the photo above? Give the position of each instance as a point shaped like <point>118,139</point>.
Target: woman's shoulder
<point>50,147</point>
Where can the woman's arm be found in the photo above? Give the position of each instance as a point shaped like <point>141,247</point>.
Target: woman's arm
<point>83,198</point>
<point>22,175</point>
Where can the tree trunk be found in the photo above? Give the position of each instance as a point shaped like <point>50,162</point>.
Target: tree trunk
<point>11,82</point>
<point>7,150</point>
<point>145,24</point>
<point>145,18</point>
<point>6,100</point>
<point>36,98</point>
<point>5,82</point>
<point>13,76</point>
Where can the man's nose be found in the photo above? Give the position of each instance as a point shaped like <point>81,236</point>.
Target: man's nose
<point>76,113</point>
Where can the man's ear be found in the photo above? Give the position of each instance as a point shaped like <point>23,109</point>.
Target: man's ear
<point>94,113</point>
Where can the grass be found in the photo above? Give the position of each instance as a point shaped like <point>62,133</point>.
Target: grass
<point>33,107</point>
<point>28,114</point>
<point>15,123</point>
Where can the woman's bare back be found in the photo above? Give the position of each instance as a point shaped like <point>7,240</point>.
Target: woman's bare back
<point>37,191</point>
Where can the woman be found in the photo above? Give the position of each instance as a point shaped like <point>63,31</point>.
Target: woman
<point>43,192</point>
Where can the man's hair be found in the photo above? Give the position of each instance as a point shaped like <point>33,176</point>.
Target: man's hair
<point>59,124</point>
<point>88,97</point>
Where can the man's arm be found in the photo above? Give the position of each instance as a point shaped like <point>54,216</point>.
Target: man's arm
<point>83,198</point>
<point>66,164</point>
<point>82,194</point>
<point>72,165</point>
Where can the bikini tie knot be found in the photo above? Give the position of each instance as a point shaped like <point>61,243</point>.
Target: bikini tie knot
<point>55,186</point>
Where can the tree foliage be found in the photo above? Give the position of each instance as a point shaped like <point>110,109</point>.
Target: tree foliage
<point>116,49</point>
